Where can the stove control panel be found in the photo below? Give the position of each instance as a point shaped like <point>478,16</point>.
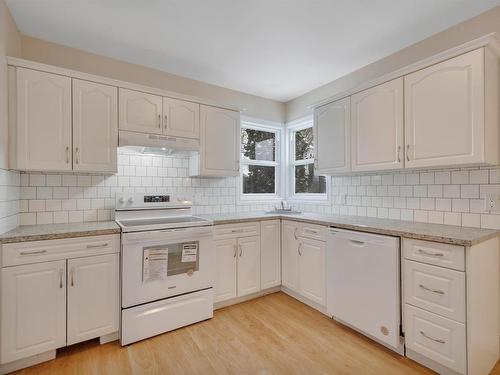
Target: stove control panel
<point>145,201</point>
<point>156,198</point>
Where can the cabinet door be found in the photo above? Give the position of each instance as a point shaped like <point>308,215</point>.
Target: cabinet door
<point>270,254</point>
<point>33,309</point>
<point>220,141</point>
<point>43,128</point>
<point>248,265</point>
<point>95,126</point>
<point>181,118</point>
<point>312,282</point>
<point>444,113</point>
<point>140,112</point>
<point>377,127</point>
<point>93,297</point>
<point>290,254</point>
<point>331,134</point>
<point>225,281</point>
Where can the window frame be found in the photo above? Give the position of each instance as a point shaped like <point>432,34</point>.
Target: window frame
<point>277,129</point>
<point>291,129</point>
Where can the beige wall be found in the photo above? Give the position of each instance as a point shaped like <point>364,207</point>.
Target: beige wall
<point>10,44</point>
<point>473,28</point>
<point>71,58</point>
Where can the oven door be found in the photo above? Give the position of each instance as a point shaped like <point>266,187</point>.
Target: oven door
<point>166,263</point>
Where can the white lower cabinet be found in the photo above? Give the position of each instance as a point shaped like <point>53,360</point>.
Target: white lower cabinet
<point>270,254</point>
<point>238,261</point>
<point>50,299</point>
<point>33,309</point>
<point>93,301</point>
<point>312,279</point>
<point>303,264</point>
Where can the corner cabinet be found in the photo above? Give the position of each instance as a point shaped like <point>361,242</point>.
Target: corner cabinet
<point>219,143</point>
<point>61,124</point>
<point>270,253</point>
<point>377,127</point>
<point>331,134</point>
<point>451,112</point>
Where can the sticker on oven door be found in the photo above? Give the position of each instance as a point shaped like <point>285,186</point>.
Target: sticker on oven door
<point>155,264</point>
<point>189,252</point>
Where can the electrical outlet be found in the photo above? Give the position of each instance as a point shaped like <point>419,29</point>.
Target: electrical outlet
<point>492,203</point>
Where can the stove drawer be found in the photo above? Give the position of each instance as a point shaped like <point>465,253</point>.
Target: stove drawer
<point>48,250</point>
<point>226,231</point>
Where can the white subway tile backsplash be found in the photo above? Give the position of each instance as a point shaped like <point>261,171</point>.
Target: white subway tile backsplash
<point>460,177</point>
<point>442,178</point>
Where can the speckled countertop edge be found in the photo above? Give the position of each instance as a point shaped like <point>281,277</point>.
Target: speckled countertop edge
<point>58,231</point>
<point>463,236</point>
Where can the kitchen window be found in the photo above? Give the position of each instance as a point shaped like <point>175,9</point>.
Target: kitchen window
<point>260,161</point>
<point>304,182</point>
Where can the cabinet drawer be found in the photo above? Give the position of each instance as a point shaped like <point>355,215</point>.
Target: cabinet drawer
<point>237,230</point>
<point>439,254</point>
<point>313,231</point>
<point>435,337</point>
<point>436,289</point>
<point>44,251</point>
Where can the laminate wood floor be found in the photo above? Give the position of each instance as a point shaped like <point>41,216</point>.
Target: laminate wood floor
<point>274,334</point>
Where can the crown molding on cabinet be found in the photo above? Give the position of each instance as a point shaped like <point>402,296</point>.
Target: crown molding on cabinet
<point>17,62</point>
<point>491,41</point>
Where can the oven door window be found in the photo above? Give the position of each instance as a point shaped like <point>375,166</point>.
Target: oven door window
<point>161,261</point>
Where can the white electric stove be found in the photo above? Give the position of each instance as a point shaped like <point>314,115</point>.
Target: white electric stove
<point>168,265</point>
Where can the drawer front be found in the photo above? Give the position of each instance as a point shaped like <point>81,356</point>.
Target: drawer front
<point>439,254</point>
<point>45,251</point>
<point>312,231</point>
<point>237,230</point>
<point>435,337</point>
<point>436,289</point>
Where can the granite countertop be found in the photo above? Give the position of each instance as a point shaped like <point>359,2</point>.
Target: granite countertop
<point>58,231</point>
<point>463,236</point>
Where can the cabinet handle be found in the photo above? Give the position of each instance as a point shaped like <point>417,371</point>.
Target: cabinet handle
<point>295,234</point>
<point>311,231</point>
<point>60,279</point>
<point>77,157</point>
<point>423,252</point>
<point>431,338</point>
<point>235,251</point>
<point>237,165</point>
<point>399,154</point>
<point>408,152</point>
<point>97,246</point>
<point>431,290</point>
<point>298,249</point>
<point>33,252</point>
<point>165,122</point>
<point>236,230</point>
<point>159,121</point>
<point>241,250</point>
<point>67,155</point>
<point>72,276</point>
<point>357,242</point>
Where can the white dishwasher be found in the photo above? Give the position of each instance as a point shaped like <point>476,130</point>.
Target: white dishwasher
<point>363,284</point>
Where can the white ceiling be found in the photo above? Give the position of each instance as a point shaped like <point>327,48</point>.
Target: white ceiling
<point>277,49</point>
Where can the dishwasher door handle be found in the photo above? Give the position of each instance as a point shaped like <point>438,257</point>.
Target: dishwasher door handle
<point>357,242</point>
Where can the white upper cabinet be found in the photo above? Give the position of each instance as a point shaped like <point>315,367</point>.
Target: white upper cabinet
<point>95,126</point>
<point>181,118</point>
<point>451,112</point>
<point>93,297</point>
<point>220,143</point>
<point>377,127</point>
<point>40,118</point>
<point>33,309</point>
<point>140,112</point>
<point>331,136</point>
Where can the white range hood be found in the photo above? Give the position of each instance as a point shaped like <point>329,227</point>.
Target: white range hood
<point>163,142</point>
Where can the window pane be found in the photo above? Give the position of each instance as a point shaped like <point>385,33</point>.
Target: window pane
<point>257,145</point>
<point>307,182</point>
<point>304,144</point>
<point>258,179</point>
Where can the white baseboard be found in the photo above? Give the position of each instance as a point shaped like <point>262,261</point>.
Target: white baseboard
<point>27,362</point>
<point>234,301</point>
